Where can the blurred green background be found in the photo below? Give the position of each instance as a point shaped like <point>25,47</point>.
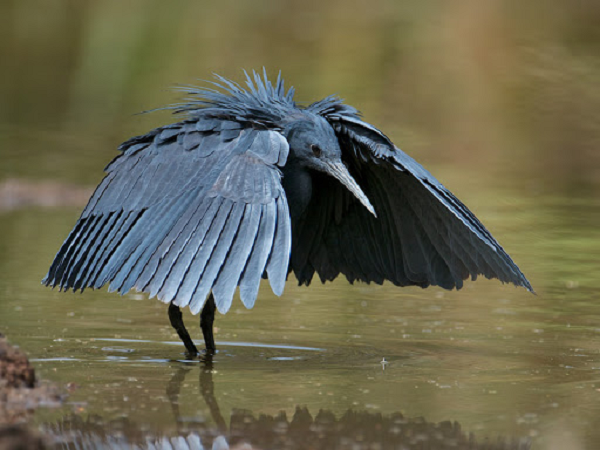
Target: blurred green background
<point>499,99</point>
<point>500,86</point>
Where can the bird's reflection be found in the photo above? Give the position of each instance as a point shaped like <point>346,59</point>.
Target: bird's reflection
<point>354,430</point>
<point>207,389</point>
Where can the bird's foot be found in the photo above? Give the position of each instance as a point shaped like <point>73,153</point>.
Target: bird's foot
<point>191,355</point>
<point>206,356</point>
<point>209,351</point>
<point>191,351</point>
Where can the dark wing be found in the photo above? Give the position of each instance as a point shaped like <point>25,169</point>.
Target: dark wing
<point>186,209</point>
<point>423,235</point>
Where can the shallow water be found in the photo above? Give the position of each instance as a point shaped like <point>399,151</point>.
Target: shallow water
<point>495,359</point>
<point>501,104</point>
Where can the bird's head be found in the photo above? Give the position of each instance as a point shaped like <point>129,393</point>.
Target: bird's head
<point>314,145</point>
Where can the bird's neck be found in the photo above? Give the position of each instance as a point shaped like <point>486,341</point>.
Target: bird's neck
<point>297,183</point>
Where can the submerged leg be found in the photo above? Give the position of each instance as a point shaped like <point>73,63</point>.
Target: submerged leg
<point>207,317</point>
<point>177,322</point>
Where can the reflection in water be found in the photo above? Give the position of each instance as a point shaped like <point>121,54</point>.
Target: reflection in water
<point>354,430</point>
<point>206,389</point>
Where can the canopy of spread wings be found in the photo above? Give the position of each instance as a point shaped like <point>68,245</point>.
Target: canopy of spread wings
<point>189,208</point>
<point>423,235</point>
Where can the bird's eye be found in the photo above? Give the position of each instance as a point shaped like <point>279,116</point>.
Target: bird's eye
<point>316,150</point>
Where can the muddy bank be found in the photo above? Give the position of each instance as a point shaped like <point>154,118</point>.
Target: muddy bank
<point>20,394</point>
<point>15,370</point>
<point>16,194</point>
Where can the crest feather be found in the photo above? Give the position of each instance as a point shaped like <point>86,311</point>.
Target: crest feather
<point>260,102</point>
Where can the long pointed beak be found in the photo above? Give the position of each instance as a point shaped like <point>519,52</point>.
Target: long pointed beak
<point>339,171</point>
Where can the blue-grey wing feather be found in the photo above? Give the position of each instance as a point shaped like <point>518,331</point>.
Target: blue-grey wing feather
<point>182,281</point>
<point>255,265</point>
<point>186,209</point>
<point>230,274</point>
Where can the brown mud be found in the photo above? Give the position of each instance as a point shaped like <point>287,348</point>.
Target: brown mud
<point>20,394</point>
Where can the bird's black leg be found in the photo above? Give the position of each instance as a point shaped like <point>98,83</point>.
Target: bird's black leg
<point>207,317</point>
<point>177,322</point>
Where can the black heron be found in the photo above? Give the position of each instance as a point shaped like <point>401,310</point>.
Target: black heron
<point>250,185</point>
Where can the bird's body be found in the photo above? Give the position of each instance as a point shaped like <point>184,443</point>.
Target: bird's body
<point>251,185</point>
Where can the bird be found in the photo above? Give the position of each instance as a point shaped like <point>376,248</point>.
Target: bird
<point>249,185</point>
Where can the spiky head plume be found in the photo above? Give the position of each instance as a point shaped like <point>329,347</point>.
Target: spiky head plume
<point>261,102</point>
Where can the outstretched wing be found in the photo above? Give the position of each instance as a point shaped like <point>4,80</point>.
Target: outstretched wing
<point>186,209</point>
<point>423,235</point>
